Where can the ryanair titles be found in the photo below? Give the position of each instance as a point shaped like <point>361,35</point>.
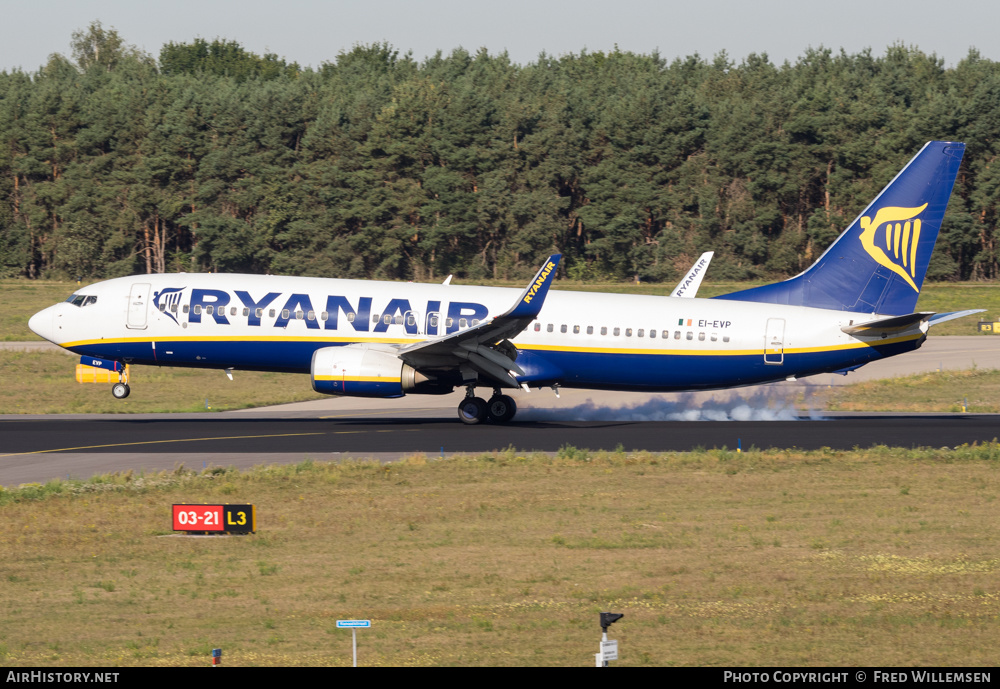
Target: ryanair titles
<point>258,311</point>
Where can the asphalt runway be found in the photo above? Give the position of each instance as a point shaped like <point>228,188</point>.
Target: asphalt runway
<point>40,449</point>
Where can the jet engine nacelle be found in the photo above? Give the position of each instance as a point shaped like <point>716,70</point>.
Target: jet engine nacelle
<point>359,371</point>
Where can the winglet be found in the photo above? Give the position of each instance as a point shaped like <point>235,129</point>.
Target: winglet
<point>689,284</point>
<point>531,300</point>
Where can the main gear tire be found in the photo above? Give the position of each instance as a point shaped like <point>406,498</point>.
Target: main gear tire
<point>472,410</point>
<point>501,408</point>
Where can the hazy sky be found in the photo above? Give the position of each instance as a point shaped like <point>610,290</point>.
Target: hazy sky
<point>311,32</point>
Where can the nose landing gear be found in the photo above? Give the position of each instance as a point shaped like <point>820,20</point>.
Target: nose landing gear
<point>121,390</point>
<point>474,410</point>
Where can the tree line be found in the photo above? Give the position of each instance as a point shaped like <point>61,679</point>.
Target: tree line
<point>374,165</point>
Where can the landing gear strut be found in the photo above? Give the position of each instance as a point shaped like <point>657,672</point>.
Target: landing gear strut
<point>473,410</point>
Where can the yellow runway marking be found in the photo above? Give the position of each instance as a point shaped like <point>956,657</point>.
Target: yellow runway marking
<point>156,442</point>
<point>380,413</point>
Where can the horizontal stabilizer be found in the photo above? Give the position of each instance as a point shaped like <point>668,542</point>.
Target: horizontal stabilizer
<point>893,323</point>
<point>951,315</point>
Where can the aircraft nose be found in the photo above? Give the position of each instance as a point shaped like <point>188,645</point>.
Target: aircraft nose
<point>41,324</point>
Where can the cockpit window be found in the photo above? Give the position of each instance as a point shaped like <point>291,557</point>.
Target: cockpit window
<point>81,299</point>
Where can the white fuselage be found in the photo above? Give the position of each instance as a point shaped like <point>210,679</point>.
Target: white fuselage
<point>580,339</point>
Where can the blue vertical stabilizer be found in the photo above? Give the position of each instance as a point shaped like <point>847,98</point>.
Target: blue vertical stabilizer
<point>878,264</point>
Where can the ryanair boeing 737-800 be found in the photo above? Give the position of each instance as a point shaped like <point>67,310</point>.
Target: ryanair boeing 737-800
<point>854,305</point>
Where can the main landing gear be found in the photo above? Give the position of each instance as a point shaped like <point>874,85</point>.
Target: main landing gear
<point>473,410</point>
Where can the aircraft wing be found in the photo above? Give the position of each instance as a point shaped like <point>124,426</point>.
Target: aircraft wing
<point>485,347</point>
<point>688,287</point>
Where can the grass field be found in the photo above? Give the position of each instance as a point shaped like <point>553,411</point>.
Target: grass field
<point>45,383</point>
<point>873,558</point>
<point>972,390</point>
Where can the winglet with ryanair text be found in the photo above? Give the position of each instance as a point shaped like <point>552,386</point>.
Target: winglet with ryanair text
<point>530,302</point>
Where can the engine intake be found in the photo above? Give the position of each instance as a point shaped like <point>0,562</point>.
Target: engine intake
<point>359,371</point>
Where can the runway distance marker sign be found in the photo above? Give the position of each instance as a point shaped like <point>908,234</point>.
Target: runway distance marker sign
<point>215,518</point>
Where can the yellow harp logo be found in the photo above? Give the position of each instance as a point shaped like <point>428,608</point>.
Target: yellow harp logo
<point>902,233</point>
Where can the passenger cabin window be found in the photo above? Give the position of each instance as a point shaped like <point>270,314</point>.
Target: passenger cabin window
<point>350,318</point>
<point>463,322</point>
<point>246,312</point>
<point>311,315</point>
<point>209,310</point>
<point>604,330</point>
<point>398,320</point>
<point>411,320</point>
<point>270,313</point>
<point>387,319</point>
<point>628,332</point>
<point>163,307</point>
<point>232,311</point>
<point>258,313</point>
<point>677,334</point>
<point>690,335</point>
<point>538,327</point>
<point>285,313</point>
<point>173,308</point>
<point>197,308</point>
<point>714,337</point>
<point>616,332</point>
<point>641,331</point>
<point>562,328</point>
<point>448,322</point>
<point>701,337</point>
<point>652,334</point>
<point>548,328</point>
<point>590,330</point>
<point>186,307</point>
<point>725,338</point>
<point>434,322</point>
